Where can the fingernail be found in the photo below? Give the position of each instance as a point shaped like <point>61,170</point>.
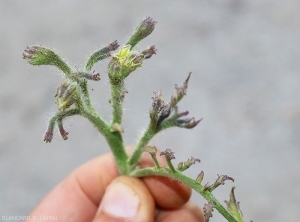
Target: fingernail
<point>120,201</point>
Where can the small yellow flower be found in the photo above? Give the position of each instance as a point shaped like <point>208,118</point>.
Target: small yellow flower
<point>127,58</point>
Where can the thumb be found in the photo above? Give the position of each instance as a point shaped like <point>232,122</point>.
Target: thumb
<point>126,199</point>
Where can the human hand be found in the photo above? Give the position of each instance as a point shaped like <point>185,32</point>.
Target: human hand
<point>96,192</point>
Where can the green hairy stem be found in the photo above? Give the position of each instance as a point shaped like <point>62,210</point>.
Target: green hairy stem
<point>72,98</point>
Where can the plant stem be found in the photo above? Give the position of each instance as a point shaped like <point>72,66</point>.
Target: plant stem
<point>117,97</point>
<point>151,171</point>
<point>170,165</point>
<point>147,136</point>
<point>85,98</point>
<point>61,115</point>
<point>113,138</point>
<point>155,161</point>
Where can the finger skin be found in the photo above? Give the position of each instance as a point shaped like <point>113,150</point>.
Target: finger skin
<point>77,197</point>
<point>146,206</point>
<point>189,212</point>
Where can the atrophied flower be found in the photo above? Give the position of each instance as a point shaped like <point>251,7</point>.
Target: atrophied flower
<point>127,58</point>
<point>66,95</point>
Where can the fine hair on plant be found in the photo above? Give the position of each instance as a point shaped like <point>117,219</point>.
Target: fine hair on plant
<point>72,98</point>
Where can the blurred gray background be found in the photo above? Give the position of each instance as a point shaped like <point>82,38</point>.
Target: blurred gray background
<point>245,59</point>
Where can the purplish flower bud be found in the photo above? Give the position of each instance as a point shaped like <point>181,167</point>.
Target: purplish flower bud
<point>66,95</point>
<point>143,30</point>
<point>38,55</point>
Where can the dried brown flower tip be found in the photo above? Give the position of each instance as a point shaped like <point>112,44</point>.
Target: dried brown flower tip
<point>188,123</point>
<point>158,101</point>
<point>164,113</point>
<point>113,46</point>
<point>192,161</point>
<point>105,52</point>
<point>160,110</point>
<point>222,178</point>
<point>94,76</point>
<point>145,28</point>
<point>180,91</point>
<point>48,136</point>
<point>208,209</point>
<point>29,52</point>
<point>142,31</point>
<point>148,24</point>
<point>182,113</point>
<point>187,164</point>
<point>64,134</point>
<point>149,52</point>
<point>168,154</point>
<point>219,181</point>
<point>38,55</point>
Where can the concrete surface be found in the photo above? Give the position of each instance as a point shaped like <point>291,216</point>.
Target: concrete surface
<point>245,84</point>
